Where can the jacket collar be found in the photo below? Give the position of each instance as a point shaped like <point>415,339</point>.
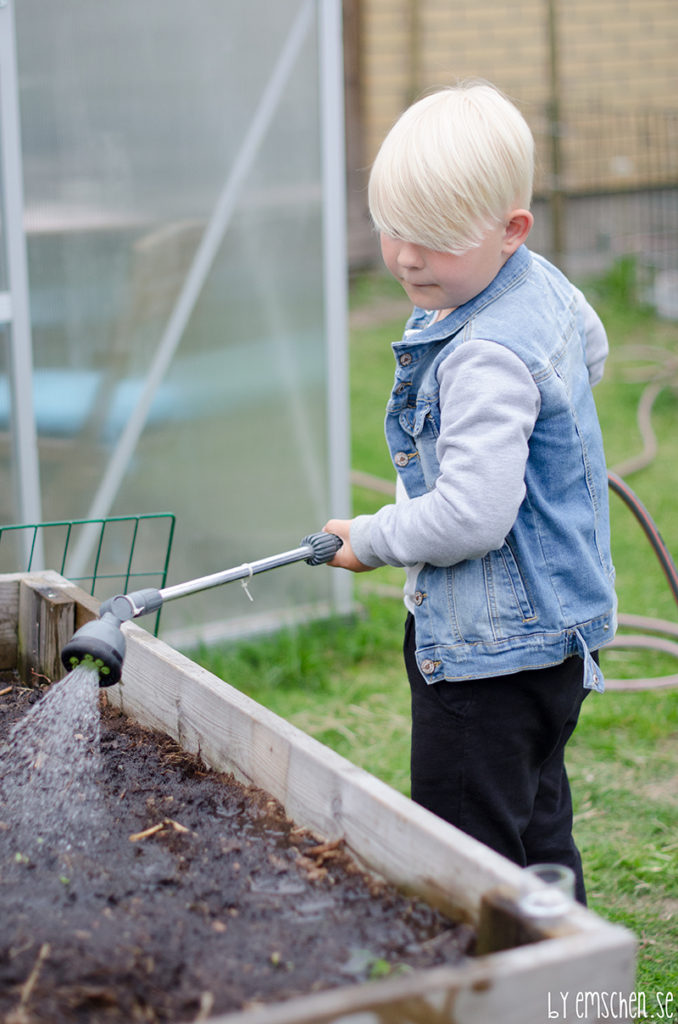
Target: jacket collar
<point>513,271</point>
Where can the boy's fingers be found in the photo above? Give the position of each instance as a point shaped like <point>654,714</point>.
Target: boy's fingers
<point>344,558</point>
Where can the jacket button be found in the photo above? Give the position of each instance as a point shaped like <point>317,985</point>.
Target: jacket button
<point>418,598</point>
<point>401,459</point>
<point>405,359</point>
<point>428,667</point>
<point>400,388</point>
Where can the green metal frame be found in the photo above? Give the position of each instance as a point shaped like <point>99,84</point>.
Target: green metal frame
<point>124,575</point>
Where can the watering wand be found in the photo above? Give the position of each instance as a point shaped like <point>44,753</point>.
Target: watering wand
<point>101,643</point>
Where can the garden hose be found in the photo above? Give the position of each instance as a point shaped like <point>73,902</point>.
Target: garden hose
<point>622,489</point>
<point>652,628</point>
<point>659,373</point>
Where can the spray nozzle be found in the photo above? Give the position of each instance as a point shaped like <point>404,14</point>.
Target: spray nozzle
<point>99,644</point>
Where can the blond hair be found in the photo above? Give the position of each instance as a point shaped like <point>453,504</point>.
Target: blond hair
<point>452,167</point>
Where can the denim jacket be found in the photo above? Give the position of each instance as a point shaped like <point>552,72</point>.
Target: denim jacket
<point>548,591</point>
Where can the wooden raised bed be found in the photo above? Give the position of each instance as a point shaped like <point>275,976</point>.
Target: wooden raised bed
<point>386,832</point>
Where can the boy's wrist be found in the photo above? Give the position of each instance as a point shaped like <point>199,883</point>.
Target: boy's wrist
<point>361,542</point>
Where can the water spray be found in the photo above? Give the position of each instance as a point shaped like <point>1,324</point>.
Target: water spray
<point>101,643</point>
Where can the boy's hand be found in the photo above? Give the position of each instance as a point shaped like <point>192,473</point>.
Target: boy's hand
<point>344,558</point>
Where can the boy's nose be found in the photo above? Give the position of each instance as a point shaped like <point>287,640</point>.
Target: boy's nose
<point>410,255</point>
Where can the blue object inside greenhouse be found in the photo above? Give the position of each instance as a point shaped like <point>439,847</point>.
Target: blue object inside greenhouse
<point>203,385</point>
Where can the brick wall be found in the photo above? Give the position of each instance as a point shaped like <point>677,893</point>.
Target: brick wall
<point>618,80</point>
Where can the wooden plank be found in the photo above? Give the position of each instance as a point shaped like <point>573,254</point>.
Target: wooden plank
<point>9,617</point>
<point>9,608</point>
<point>86,607</point>
<point>519,986</point>
<point>46,624</point>
<point>503,924</point>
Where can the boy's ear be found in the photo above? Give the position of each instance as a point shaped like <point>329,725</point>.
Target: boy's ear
<point>518,227</point>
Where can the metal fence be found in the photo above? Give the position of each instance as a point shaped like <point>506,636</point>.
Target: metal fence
<point>607,187</point>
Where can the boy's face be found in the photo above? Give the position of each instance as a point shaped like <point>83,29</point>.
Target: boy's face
<point>443,280</point>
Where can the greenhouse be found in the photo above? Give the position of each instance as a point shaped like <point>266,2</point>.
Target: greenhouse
<point>173,296</point>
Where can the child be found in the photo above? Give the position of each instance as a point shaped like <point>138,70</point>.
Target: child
<point>501,512</point>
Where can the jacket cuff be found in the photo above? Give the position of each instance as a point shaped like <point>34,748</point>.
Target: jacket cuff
<point>361,544</point>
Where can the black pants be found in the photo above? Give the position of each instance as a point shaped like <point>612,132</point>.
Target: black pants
<point>488,756</point>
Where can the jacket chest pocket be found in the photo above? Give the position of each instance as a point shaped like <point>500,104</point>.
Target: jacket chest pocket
<point>419,438</point>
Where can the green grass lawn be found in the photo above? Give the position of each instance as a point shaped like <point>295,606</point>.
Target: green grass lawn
<point>343,682</point>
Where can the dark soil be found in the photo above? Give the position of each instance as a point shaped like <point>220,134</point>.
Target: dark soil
<point>225,904</point>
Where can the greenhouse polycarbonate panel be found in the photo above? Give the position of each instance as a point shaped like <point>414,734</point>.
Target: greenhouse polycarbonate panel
<point>22,491</point>
<point>175,241</point>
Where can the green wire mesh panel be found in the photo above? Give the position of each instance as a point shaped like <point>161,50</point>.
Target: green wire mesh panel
<point>122,549</point>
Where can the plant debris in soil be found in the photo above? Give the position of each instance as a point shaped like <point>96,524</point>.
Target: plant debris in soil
<point>195,897</point>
